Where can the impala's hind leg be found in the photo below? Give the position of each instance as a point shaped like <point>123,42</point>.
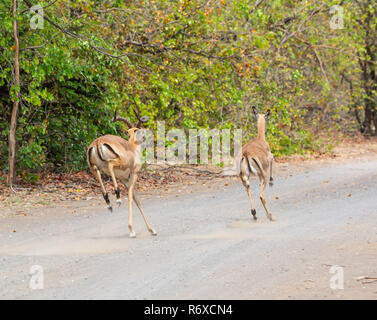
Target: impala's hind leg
<point>97,174</point>
<point>271,160</point>
<point>245,181</point>
<point>263,198</point>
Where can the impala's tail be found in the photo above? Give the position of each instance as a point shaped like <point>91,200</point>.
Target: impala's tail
<point>93,157</point>
<point>257,168</point>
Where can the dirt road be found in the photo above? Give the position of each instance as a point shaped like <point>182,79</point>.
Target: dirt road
<point>207,246</point>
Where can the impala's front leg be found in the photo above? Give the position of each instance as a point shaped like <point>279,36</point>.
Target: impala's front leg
<point>116,187</point>
<point>149,227</point>
<point>137,201</point>
<point>131,182</point>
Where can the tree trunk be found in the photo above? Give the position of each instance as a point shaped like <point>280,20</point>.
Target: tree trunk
<point>13,122</point>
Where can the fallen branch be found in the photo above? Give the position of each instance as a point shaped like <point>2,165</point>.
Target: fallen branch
<point>182,168</point>
<point>369,279</point>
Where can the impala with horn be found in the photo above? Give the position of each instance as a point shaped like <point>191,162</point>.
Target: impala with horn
<point>120,159</point>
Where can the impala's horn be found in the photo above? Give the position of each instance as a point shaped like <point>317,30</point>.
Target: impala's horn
<point>141,120</point>
<point>118,118</point>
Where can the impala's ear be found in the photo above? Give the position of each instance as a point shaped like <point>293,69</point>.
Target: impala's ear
<point>139,135</point>
<point>268,113</point>
<point>255,112</point>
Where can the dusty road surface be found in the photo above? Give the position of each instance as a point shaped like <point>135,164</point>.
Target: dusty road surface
<point>207,245</point>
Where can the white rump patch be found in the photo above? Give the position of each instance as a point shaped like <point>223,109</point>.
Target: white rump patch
<point>93,153</point>
<point>107,154</point>
<point>253,170</point>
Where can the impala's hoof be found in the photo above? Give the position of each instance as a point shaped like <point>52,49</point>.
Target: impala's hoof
<point>132,234</point>
<point>271,218</point>
<point>153,232</point>
<point>271,183</point>
<point>254,213</point>
<point>119,202</point>
<point>110,208</point>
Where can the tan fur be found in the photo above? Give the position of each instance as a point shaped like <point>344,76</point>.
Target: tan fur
<point>120,159</point>
<point>257,157</point>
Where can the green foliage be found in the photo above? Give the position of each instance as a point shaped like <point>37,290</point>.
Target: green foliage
<point>193,64</point>
<point>66,96</point>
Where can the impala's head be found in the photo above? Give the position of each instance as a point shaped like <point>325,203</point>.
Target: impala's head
<point>260,117</point>
<point>261,120</point>
<point>136,135</point>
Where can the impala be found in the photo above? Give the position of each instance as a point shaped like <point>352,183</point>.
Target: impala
<point>119,159</point>
<point>256,159</point>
